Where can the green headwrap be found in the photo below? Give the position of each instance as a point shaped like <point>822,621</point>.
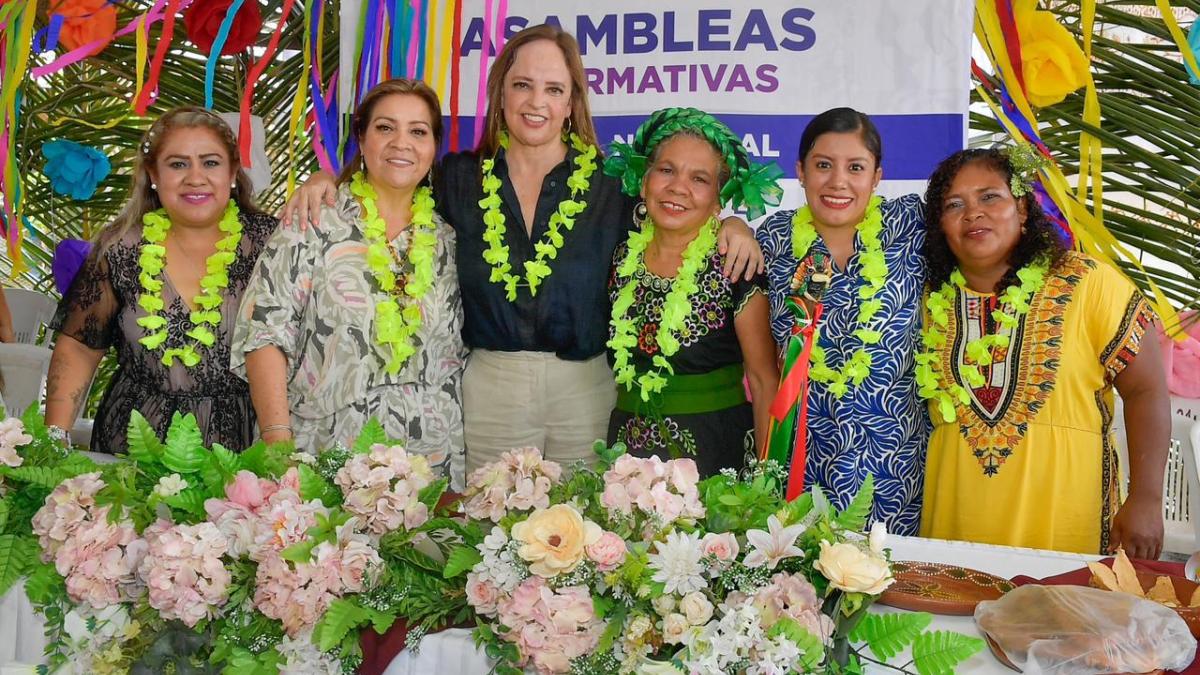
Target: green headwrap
<point>751,186</point>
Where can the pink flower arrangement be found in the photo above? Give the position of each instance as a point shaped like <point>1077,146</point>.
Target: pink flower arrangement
<point>259,515</point>
<point>665,491</point>
<point>383,487</point>
<point>792,596</point>
<point>298,596</point>
<point>608,552</point>
<point>550,627</point>
<point>520,480</point>
<point>99,561</point>
<point>12,436</point>
<point>184,572</point>
<point>67,508</point>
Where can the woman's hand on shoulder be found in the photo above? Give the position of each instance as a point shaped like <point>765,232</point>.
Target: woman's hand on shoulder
<point>303,208</point>
<point>743,256</point>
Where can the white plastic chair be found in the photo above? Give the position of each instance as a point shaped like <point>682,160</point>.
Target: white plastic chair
<point>24,372</point>
<point>1181,497</point>
<point>1181,519</point>
<point>30,310</point>
<point>1191,463</point>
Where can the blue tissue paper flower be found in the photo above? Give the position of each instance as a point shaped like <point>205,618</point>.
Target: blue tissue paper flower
<point>1194,45</point>
<point>73,169</point>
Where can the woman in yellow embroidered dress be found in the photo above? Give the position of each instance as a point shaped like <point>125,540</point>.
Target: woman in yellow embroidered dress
<point>1024,341</point>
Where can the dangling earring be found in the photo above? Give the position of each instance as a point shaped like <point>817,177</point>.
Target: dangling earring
<point>640,214</point>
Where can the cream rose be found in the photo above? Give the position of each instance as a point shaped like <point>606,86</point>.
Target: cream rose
<point>664,604</point>
<point>674,627</point>
<point>553,540</point>
<point>850,569</point>
<point>696,608</point>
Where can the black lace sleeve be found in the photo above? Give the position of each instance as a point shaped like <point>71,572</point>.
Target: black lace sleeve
<point>88,311</point>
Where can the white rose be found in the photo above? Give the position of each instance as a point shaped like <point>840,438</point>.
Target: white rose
<point>169,486</point>
<point>878,538</point>
<point>664,604</point>
<point>674,627</point>
<point>638,627</point>
<point>850,569</point>
<point>696,608</point>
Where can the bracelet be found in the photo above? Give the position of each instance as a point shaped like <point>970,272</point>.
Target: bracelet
<point>275,427</point>
<point>59,435</point>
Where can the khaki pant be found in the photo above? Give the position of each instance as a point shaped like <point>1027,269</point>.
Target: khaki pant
<point>519,399</point>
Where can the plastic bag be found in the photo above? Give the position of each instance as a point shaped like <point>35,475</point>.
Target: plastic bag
<point>1076,630</point>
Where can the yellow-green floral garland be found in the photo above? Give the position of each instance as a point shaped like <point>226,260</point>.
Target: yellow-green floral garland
<point>931,382</point>
<point>677,306</point>
<point>151,262</point>
<point>537,269</point>
<point>874,273</point>
<point>394,326</point>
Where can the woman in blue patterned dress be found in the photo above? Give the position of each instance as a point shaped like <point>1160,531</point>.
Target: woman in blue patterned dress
<point>864,416</point>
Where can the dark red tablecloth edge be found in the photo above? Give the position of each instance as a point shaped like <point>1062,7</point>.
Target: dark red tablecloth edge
<point>1081,577</point>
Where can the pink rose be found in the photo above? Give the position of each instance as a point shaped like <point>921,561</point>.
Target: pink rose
<point>608,552</point>
<point>249,490</point>
<point>482,594</point>
<point>723,546</point>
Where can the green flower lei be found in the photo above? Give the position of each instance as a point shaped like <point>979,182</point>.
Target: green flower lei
<point>496,253</point>
<point>395,327</point>
<point>677,306</point>
<point>151,262</point>
<point>931,382</point>
<point>874,274</point>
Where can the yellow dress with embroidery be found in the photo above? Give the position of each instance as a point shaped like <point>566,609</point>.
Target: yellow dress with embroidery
<point>1031,461</point>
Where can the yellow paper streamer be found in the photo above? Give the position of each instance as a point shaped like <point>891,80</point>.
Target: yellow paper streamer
<point>142,51</point>
<point>445,52</point>
<point>18,66</point>
<point>1164,8</point>
<point>299,100</point>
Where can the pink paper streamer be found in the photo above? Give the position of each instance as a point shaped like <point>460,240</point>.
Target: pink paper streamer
<point>79,53</point>
<point>414,40</point>
<point>481,94</point>
<point>501,20</point>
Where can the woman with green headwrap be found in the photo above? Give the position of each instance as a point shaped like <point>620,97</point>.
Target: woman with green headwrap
<point>683,336</point>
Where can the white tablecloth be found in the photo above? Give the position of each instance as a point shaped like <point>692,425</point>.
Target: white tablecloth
<point>453,651</point>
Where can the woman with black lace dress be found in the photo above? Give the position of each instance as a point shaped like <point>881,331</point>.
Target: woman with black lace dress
<point>162,285</point>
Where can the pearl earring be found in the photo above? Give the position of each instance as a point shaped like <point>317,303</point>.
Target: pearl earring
<point>153,186</point>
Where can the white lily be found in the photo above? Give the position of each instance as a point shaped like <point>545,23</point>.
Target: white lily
<point>774,545</point>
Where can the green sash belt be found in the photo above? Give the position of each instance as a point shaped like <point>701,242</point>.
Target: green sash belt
<point>688,394</point>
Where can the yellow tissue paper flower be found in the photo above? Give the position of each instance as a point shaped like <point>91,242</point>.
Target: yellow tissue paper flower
<point>1052,62</point>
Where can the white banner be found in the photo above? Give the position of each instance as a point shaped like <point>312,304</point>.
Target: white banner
<point>764,67</point>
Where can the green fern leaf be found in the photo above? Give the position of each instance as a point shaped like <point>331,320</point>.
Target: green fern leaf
<point>938,652</point>
<point>461,560</point>
<point>889,634</point>
<point>185,445</point>
<point>144,445</point>
<point>40,476</point>
<point>856,513</point>
<point>16,554</point>
<point>372,433</point>
<point>342,616</point>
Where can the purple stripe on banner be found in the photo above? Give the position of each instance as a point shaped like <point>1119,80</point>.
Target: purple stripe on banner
<point>912,144</point>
